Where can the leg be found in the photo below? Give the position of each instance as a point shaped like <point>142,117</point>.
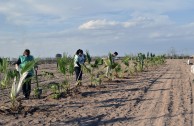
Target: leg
<point>80,75</point>
<point>27,87</point>
<point>77,73</point>
<point>24,89</point>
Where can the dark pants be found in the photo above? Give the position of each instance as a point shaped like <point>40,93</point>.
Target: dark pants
<point>78,73</point>
<point>26,87</point>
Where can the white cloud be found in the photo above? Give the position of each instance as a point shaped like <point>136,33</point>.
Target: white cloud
<point>97,24</point>
<point>136,21</point>
<point>130,24</point>
<point>30,11</point>
<point>66,25</point>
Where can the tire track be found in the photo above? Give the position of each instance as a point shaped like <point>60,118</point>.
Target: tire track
<point>143,109</point>
<point>172,104</point>
<point>190,94</point>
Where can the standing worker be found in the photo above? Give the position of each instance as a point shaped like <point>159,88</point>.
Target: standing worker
<point>78,61</point>
<point>22,61</point>
<point>114,55</point>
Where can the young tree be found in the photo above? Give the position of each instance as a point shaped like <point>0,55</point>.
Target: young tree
<point>90,67</point>
<point>65,66</point>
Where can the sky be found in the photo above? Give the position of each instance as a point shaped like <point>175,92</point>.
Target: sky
<point>48,27</point>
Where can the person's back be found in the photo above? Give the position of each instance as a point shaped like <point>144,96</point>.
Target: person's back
<point>24,60</point>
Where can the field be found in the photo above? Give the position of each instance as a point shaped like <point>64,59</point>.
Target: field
<point>159,96</point>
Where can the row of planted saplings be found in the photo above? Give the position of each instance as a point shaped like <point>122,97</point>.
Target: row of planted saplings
<point>128,65</point>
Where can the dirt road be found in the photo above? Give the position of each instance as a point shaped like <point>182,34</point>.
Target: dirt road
<point>161,97</point>
<point>169,101</point>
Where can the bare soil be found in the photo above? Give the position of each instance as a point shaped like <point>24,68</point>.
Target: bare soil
<point>157,97</point>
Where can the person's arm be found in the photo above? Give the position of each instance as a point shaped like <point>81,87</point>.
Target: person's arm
<point>78,64</point>
<point>17,64</point>
<point>82,60</point>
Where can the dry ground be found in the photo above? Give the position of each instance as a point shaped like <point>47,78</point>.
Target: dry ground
<point>158,97</point>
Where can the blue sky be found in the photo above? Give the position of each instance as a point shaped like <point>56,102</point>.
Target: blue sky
<point>47,27</point>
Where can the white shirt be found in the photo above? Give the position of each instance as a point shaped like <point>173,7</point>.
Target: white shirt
<point>79,59</point>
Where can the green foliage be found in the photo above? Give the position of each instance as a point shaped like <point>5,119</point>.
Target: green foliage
<point>7,74</point>
<point>86,69</point>
<point>56,96</point>
<point>97,81</point>
<point>125,60</point>
<point>146,63</point>
<point>140,59</point>
<point>56,90</point>
<point>37,92</point>
<point>71,66</point>
<point>62,65</point>
<point>118,70</point>
<point>96,63</point>
<point>99,61</point>
<point>7,78</point>
<point>88,57</point>
<point>29,66</point>
<point>111,65</point>
<point>158,60</point>
<point>4,65</point>
<point>65,66</point>
<point>47,74</point>
<point>109,62</point>
<point>90,67</point>
<point>64,86</point>
<point>134,68</point>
